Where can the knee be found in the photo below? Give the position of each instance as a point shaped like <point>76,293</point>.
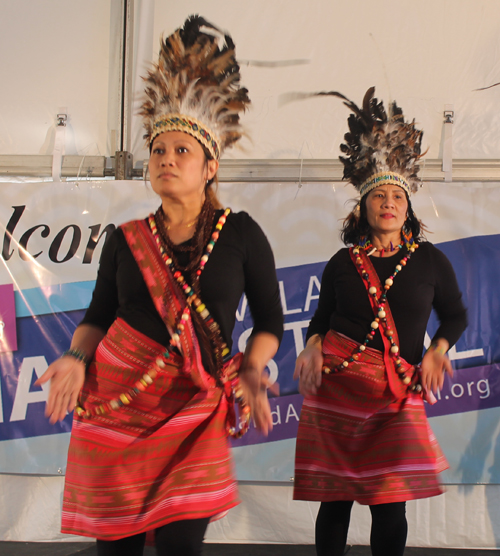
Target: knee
<point>392,513</point>
<point>181,538</point>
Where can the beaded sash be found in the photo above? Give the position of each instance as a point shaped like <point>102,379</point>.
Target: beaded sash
<point>167,297</point>
<point>397,387</point>
<point>171,304</point>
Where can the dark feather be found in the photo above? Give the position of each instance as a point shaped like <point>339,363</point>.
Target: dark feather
<point>197,75</point>
<point>378,142</point>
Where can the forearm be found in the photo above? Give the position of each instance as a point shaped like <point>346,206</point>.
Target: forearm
<point>86,338</point>
<point>261,347</point>
<point>316,340</point>
<point>441,345</point>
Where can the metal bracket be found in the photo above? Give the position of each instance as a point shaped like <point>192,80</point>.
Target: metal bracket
<point>61,119</point>
<point>448,116</point>
<point>124,165</point>
<point>447,167</point>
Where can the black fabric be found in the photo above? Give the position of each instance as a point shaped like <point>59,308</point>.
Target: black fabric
<point>242,261</point>
<point>389,529</point>
<point>388,533</point>
<point>428,281</point>
<point>179,538</point>
<point>332,525</point>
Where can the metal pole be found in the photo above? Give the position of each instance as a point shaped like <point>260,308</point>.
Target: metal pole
<point>123,159</point>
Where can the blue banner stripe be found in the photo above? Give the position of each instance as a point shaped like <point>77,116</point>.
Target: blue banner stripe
<point>54,299</point>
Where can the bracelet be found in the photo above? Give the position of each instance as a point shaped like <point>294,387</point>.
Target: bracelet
<point>434,346</point>
<point>78,354</point>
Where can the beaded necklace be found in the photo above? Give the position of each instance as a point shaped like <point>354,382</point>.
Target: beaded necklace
<point>380,321</point>
<point>234,392</point>
<point>126,397</point>
<point>370,248</point>
<point>222,352</point>
<point>193,248</point>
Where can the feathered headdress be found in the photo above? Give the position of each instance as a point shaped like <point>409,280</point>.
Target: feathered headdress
<point>195,87</point>
<point>380,148</point>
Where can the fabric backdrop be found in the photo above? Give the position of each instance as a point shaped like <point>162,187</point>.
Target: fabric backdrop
<point>52,240</point>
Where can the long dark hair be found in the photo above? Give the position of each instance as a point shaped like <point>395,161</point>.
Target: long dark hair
<point>356,225</point>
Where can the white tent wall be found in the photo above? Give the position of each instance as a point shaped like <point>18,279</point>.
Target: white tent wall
<point>59,56</point>
<point>66,53</point>
<point>425,54</point>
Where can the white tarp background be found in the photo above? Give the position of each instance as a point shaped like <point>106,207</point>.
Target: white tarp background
<point>59,56</point>
<point>52,277</point>
<point>426,54</point>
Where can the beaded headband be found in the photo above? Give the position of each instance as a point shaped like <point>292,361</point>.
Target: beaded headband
<point>384,178</point>
<point>179,122</point>
<point>195,87</point>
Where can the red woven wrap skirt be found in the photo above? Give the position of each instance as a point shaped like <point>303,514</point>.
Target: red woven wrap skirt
<point>163,458</point>
<point>356,442</point>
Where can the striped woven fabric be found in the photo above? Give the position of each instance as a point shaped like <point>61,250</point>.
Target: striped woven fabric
<point>163,458</point>
<point>355,442</point>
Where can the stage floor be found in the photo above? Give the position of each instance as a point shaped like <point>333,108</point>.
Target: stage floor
<point>88,549</point>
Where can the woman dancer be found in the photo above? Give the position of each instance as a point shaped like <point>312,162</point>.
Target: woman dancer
<point>363,433</point>
<point>150,363</point>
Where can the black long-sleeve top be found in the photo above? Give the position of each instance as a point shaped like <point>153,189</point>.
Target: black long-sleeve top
<point>241,261</point>
<point>427,281</point>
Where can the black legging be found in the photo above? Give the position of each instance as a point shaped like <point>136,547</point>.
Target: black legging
<point>179,538</point>
<point>388,533</point>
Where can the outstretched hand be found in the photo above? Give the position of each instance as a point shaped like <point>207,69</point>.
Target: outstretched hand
<point>309,366</point>
<point>66,376</point>
<point>434,365</point>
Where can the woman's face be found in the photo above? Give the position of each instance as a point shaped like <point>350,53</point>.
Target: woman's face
<point>178,167</point>
<point>386,208</point>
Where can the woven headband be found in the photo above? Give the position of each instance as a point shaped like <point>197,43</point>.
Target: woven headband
<point>384,178</point>
<point>180,122</point>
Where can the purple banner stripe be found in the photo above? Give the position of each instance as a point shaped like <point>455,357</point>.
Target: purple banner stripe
<point>469,390</point>
<point>286,413</point>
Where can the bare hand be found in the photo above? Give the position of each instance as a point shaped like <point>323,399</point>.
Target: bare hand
<point>66,376</point>
<point>309,367</point>
<point>254,386</point>
<point>434,365</point>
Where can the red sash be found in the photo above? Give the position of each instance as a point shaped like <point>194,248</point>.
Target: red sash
<point>170,303</point>
<point>397,387</point>
<point>167,296</point>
